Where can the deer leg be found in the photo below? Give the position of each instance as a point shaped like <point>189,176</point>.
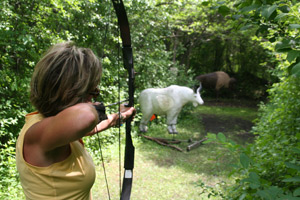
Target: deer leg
<point>172,121</point>
<point>144,121</point>
<point>170,130</point>
<point>174,129</point>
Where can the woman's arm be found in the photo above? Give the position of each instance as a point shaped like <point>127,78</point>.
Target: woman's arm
<point>113,120</point>
<point>67,126</point>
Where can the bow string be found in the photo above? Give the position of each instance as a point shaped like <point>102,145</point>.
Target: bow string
<point>128,64</point>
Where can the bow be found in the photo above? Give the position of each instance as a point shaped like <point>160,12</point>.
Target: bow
<point>128,64</point>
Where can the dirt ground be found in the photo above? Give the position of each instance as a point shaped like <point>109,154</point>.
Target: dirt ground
<point>230,126</point>
<point>232,102</point>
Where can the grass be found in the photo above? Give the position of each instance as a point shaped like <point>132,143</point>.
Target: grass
<point>246,113</point>
<point>162,173</point>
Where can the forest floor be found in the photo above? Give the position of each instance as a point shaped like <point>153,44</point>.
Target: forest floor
<point>215,123</point>
<point>163,173</point>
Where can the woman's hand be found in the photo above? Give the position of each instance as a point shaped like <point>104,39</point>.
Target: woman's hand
<point>122,116</point>
<point>115,119</point>
<point>127,112</point>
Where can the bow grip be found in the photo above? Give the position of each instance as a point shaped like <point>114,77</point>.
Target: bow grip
<point>100,108</point>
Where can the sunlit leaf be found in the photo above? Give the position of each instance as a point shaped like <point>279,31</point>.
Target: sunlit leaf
<point>296,26</point>
<point>205,3</point>
<point>245,160</point>
<point>283,45</point>
<point>296,150</point>
<point>267,11</point>
<point>221,137</point>
<point>297,192</point>
<point>246,27</point>
<point>296,70</point>
<point>224,10</point>
<point>292,55</point>
<point>250,8</point>
<point>264,194</point>
<point>292,166</point>
<point>293,179</point>
<point>280,16</point>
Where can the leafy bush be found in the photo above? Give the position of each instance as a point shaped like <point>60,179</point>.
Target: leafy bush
<point>9,182</point>
<point>276,159</point>
<point>269,169</point>
<point>12,109</point>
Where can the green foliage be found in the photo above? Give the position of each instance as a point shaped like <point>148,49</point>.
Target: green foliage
<point>172,42</point>
<point>276,21</point>
<point>273,171</point>
<point>253,177</point>
<point>9,183</point>
<point>270,168</point>
<point>150,36</point>
<point>211,192</point>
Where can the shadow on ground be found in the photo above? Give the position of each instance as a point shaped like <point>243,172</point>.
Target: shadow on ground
<point>236,127</point>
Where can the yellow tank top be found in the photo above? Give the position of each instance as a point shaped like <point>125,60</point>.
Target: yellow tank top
<point>71,178</point>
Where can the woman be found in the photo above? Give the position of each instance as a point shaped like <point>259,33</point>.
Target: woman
<point>51,160</point>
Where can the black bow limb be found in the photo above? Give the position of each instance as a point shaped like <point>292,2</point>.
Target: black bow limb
<point>128,64</point>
